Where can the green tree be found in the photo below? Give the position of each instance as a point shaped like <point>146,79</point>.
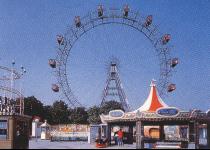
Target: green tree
<point>110,105</point>
<point>94,115</point>
<point>33,107</point>
<point>60,113</point>
<point>95,111</point>
<point>78,115</point>
<point>48,114</point>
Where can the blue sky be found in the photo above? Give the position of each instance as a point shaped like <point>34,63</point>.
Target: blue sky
<point>28,32</point>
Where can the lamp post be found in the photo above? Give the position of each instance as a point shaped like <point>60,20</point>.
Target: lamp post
<point>12,88</point>
<point>22,105</point>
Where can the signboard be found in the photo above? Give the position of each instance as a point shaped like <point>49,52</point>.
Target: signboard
<point>116,114</point>
<point>168,112</point>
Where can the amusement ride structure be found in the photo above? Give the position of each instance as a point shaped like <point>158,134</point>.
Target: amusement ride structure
<point>114,89</point>
<point>11,99</point>
<point>103,16</point>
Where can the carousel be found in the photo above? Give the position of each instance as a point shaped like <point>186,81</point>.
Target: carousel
<point>156,125</point>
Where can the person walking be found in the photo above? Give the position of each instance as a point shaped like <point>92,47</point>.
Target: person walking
<point>120,137</point>
<point>116,138</point>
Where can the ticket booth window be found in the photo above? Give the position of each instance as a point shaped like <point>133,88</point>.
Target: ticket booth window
<point>173,133</point>
<point>152,132</point>
<point>3,129</point>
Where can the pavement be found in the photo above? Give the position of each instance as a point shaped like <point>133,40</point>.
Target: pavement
<point>46,144</point>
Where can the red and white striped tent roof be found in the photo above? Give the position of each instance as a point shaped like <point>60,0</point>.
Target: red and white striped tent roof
<point>153,102</point>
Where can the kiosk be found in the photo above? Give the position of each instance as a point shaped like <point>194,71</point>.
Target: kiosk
<point>45,131</point>
<point>158,119</point>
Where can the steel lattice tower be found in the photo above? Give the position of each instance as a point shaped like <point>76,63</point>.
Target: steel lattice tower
<point>114,89</point>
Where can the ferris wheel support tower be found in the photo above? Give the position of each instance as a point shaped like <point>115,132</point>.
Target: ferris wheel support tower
<point>114,88</point>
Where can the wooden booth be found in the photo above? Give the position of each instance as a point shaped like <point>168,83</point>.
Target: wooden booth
<point>156,125</point>
<point>14,131</point>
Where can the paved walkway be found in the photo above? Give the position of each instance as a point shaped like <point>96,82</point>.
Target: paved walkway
<point>69,145</point>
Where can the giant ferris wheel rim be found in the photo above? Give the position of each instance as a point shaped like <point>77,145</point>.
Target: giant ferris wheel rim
<point>111,16</point>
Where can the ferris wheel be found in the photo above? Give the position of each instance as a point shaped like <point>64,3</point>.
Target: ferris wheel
<point>103,16</point>
<point>11,99</point>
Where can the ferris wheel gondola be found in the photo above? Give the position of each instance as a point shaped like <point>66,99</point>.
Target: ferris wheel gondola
<point>77,21</point>
<point>126,10</point>
<point>174,62</point>
<point>100,11</point>
<point>148,21</point>
<point>60,39</point>
<point>171,87</point>
<point>166,38</point>
<point>55,87</point>
<point>52,63</point>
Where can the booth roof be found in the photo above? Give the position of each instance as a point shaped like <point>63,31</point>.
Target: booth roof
<point>148,112</point>
<point>153,102</point>
<point>45,124</point>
